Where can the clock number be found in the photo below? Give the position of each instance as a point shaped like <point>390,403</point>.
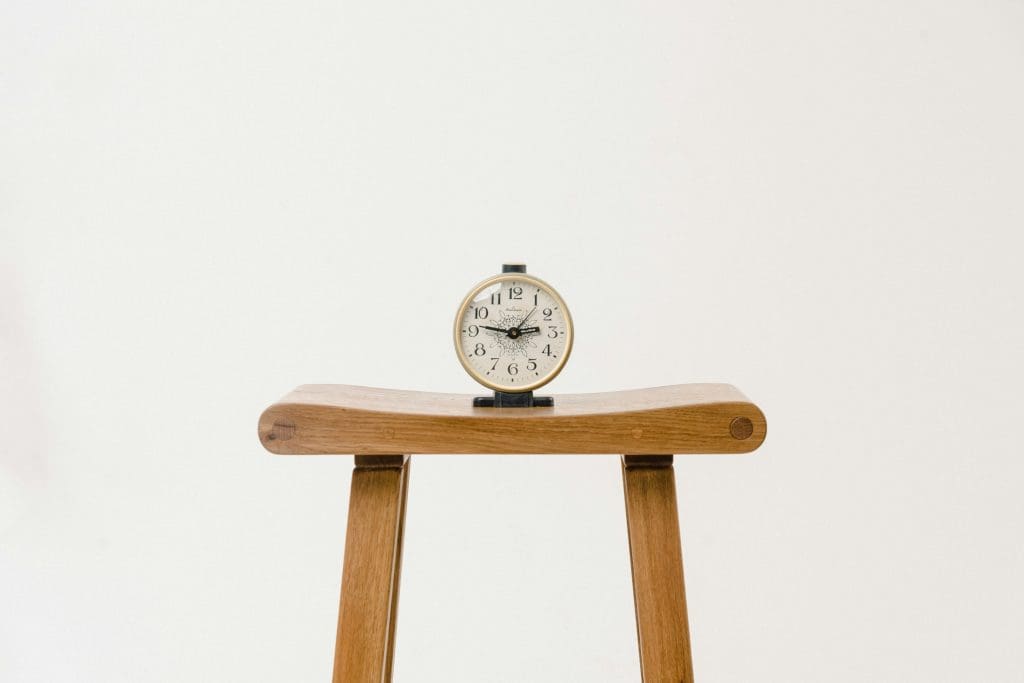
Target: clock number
<point>513,369</point>
<point>535,299</point>
<point>515,293</point>
<point>495,364</point>
<point>496,298</point>
<point>479,350</point>
<point>547,314</point>
<point>531,364</point>
<point>480,313</point>
<point>547,350</point>
<point>552,331</point>
<point>473,330</point>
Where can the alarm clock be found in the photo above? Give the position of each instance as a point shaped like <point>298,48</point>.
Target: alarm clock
<point>513,332</point>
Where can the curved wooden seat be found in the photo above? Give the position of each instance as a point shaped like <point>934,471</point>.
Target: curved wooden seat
<point>324,419</point>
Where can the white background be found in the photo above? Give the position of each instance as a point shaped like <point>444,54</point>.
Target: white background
<point>205,204</point>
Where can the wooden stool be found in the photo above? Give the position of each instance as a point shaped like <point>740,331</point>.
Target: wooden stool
<point>384,427</point>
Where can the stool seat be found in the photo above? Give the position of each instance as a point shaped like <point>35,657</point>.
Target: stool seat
<point>326,419</point>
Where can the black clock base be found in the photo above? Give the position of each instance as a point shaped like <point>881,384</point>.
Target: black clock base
<point>502,399</point>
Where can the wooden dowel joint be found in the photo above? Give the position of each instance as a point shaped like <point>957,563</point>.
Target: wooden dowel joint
<point>378,462</point>
<point>631,461</point>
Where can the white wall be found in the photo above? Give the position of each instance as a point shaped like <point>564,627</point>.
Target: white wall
<point>205,204</point>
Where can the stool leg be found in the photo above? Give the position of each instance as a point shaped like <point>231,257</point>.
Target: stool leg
<point>657,560</point>
<point>373,558</point>
<point>396,577</point>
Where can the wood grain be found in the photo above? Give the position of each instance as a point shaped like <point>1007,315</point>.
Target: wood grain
<point>364,648</point>
<point>396,575</point>
<point>656,556</point>
<point>325,419</point>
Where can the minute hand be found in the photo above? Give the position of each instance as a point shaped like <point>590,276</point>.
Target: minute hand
<point>495,329</point>
<point>523,321</point>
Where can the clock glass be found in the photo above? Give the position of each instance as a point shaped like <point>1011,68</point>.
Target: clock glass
<point>513,333</point>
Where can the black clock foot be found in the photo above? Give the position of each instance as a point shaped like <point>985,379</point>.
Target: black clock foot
<point>503,399</point>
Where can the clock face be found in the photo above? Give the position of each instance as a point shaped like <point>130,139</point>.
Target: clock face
<point>513,333</point>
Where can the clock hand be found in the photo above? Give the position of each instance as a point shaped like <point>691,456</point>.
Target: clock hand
<point>523,321</point>
<point>517,331</point>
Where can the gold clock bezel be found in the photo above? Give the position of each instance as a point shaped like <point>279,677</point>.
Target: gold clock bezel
<point>508,277</point>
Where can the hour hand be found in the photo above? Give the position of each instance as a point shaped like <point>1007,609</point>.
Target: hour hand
<point>495,329</point>
<point>529,330</point>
